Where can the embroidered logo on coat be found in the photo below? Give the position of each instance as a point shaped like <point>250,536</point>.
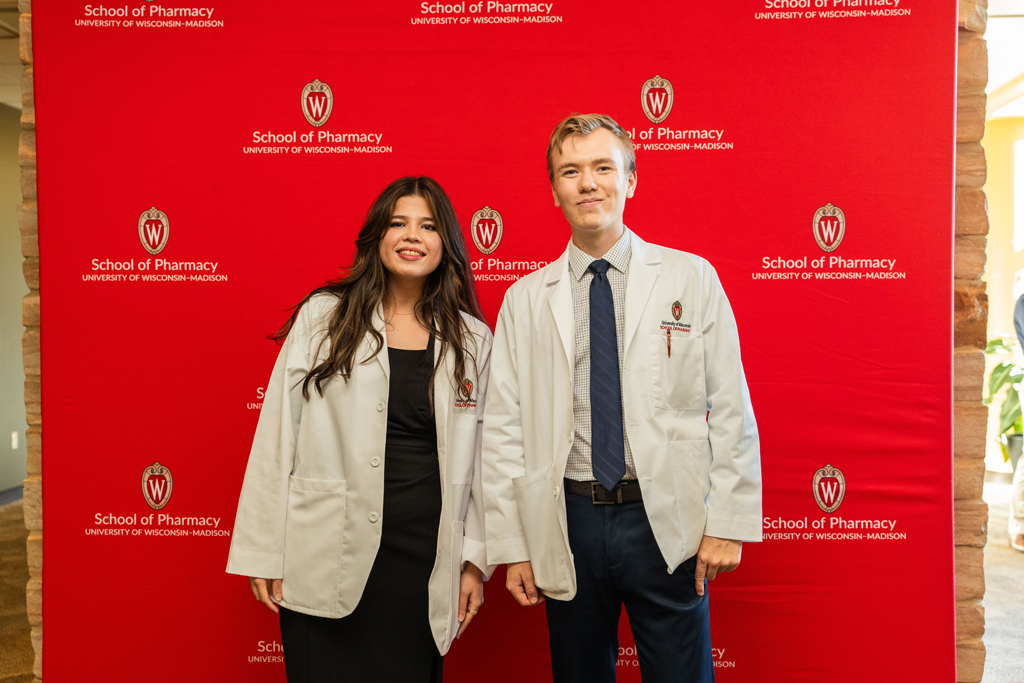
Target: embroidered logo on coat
<point>674,325</point>
<point>465,398</point>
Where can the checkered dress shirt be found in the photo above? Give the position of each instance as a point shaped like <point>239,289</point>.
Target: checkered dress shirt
<point>578,466</point>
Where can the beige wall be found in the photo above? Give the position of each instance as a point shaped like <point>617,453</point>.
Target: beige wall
<point>12,289</point>
<point>1004,259</point>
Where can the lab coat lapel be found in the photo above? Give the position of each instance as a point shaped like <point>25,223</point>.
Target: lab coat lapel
<point>382,357</point>
<point>644,267</point>
<point>559,292</point>
<point>442,409</point>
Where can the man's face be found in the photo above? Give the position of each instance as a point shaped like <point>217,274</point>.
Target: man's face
<point>591,182</point>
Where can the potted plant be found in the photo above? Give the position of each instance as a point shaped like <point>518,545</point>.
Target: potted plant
<point>1007,372</point>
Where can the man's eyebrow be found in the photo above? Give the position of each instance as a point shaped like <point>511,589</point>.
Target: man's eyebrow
<point>607,161</point>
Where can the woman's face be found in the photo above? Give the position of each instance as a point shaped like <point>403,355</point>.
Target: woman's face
<point>411,248</point>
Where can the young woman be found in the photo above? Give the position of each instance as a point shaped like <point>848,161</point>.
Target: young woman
<point>360,514</point>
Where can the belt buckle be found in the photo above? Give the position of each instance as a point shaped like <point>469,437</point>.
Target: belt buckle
<point>593,495</point>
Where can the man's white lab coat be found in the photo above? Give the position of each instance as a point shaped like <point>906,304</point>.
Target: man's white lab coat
<point>699,473</point>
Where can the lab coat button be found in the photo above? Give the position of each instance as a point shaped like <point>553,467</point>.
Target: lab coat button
<point>570,437</point>
<point>555,491</point>
<point>374,517</point>
<point>375,462</point>
<point>380,407</point>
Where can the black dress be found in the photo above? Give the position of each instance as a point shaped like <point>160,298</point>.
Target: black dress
<point>387,637</point>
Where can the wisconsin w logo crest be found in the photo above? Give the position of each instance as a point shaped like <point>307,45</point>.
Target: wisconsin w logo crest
<point>829,486</point>
<point>156,485</point>
<point>154,229</point>
<point>656,97</point>
<point>317,102</point>
<point>486,229</point>
<point>829,226</point>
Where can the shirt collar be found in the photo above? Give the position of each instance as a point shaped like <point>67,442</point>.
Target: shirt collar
<point>618,256</point>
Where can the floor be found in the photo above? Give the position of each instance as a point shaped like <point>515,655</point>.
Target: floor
<point>16,656</point>
<point>1004,594</point>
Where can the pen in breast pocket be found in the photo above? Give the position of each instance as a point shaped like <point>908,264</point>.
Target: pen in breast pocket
<point>668,339</point>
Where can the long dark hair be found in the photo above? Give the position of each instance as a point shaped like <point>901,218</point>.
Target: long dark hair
<point>448,290</point>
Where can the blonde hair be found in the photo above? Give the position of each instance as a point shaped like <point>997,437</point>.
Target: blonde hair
<point>585,124</point>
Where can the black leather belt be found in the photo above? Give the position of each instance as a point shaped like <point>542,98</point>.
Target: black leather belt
<point>624,491</point>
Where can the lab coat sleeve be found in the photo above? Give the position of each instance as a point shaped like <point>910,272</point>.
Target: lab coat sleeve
<point>503,454</point>
<point>474,547</point>
<point>734,503</point>
<point>257,540</point>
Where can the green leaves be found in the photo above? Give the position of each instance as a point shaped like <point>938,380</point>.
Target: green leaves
<point>1006,373</point>
<point>1002,374</point>
<point>1010,415</point>
<point>1000,345</point>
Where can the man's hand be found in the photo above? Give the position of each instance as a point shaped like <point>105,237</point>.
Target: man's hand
<point>715,555</point>
<point>267,591</point>
<point>471,595</point>
<point>519,581</point>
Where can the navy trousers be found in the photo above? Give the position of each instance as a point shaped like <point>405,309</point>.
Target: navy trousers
<point>618,562</point>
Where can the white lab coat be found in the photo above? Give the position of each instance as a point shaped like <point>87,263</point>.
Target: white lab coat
<point>699,474</point>
<point>311,502</point>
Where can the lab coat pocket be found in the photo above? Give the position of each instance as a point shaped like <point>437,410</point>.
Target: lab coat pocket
<point>312,542</point>
<point>537,500</point>
<point>677,378</point>
<point>690,463</point>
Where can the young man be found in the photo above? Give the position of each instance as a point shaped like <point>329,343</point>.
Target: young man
<point>604,470</point>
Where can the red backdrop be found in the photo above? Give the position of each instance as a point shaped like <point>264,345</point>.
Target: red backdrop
<point>779,107</point>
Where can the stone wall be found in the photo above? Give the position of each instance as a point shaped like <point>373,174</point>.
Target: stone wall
<point>970,321</point>
<point>970,305</point>
<point>29,224</point>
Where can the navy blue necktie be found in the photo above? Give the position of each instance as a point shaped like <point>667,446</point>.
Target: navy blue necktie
<point>608,452</point>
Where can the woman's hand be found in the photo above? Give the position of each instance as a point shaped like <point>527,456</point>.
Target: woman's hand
<point>471,595</point>
<point>263,589</point>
